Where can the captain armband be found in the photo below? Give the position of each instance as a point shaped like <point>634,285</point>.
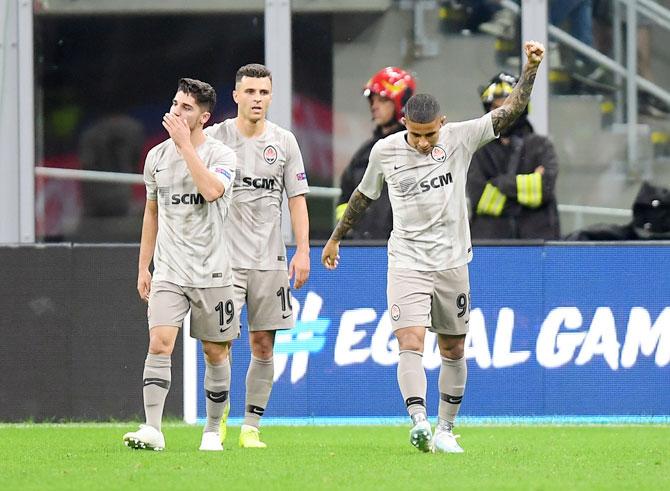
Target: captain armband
<point>529,189</point>
<point>492,201</point>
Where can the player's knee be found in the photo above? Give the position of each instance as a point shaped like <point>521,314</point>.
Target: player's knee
<point>160,348</point>
<point>262,353</point>
<point>160,345</point>
<point>453,354</point>
<point>162,340</point>
<point>215,353</point>
<point>452,348</point>
<point>262,344</point>
<point>410,342</point>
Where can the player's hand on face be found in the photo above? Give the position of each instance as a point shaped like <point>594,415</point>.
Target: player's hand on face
<point>144,285</point>
<point>330,257</point>
<point>177,128</point>
<point>534,52</point>
<point>300,266</point>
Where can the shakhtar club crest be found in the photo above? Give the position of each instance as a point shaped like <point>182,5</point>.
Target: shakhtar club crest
<point>395,312</point>
<point>438,154</point>
<point>270,154</point>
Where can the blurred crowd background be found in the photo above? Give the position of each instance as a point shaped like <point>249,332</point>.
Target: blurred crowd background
<point>103,75</point>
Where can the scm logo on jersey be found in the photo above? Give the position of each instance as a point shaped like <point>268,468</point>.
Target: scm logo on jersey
<point>259,182</point>
<point>270,154</point>
<point>187,199</point>
<point>436,182</point>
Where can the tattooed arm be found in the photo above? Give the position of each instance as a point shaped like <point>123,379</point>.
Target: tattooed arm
<point>516,102</point>
<point>355,210</point>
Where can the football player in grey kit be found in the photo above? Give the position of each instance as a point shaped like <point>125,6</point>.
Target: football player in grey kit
<point>429,249</point>
<point>268,162</point>
<point>189,180</point>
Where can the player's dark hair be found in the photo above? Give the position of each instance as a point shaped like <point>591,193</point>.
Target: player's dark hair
<point>422,108</point>
<point>202,92</point>
<point>253,70</point>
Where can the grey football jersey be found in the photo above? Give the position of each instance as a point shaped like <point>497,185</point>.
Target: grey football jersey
<point>427,194</point>
<point>266,165</point>
<point>190,229</point>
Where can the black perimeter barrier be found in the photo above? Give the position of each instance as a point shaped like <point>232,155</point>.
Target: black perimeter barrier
<point>74,331</point>
<point>74,335</point>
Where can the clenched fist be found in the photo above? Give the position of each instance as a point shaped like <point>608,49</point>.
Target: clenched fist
<point>534,51</point>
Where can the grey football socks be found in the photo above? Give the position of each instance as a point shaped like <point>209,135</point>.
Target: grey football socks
<point>156,379</point>
<point>217,386</point>
<point>412,382</point>
<point>453,375</point>
<point>259,386</point>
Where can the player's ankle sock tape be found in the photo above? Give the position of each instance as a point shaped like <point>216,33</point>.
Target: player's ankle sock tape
<point>259,386</point>
<point>217,386</point>
<point>451,383</point>
<point>156,384</point>
<point>412,380</point>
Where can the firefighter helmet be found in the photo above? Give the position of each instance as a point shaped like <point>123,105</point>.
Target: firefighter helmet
<point>500,86</point>
<point>393,83</point>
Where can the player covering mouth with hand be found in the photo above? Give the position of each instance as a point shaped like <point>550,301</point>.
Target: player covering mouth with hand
<point>189,181</point>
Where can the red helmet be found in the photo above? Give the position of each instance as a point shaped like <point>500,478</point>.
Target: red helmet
<point>393,83</point>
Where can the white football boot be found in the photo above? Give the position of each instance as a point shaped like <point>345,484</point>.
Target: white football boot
<point>445,441</point>
<point>421,435</point>
<point>211,442</point>
<point>146,438</point>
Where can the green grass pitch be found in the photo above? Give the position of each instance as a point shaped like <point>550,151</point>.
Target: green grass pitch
<point>92,456</point>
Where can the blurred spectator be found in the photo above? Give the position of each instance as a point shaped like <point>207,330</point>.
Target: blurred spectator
<point>651,219</point>
<point>387,92</point>
<point>576,18</point>
<point>113,144</point>
<point>577,12</point>
<point>579,16</point>
<point>569,72</point>
<point>458,15</point>
<point>504,24</point>
<point>648,104</point>
<point>603,19</point>
<point>511,180</point>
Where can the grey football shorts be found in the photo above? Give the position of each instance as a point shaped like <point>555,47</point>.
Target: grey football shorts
<point>438,300</point>
<point>267,296</point>
<point>213,313</point>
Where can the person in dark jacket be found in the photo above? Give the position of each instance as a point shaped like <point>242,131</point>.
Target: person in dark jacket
<point>651,219</point>
<point>511,181</point>
<point>387,92</point>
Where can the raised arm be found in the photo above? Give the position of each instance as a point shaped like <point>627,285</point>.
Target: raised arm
<point>516,102</point>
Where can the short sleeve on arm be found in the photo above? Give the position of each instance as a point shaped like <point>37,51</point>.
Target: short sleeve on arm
<point>373,180</point>
<point>150,176</point>
<point>478,132</point>
<point>223,165</point>
<point>295,179</point>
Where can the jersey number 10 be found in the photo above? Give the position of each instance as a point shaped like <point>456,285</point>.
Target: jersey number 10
<point>284,295</point>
